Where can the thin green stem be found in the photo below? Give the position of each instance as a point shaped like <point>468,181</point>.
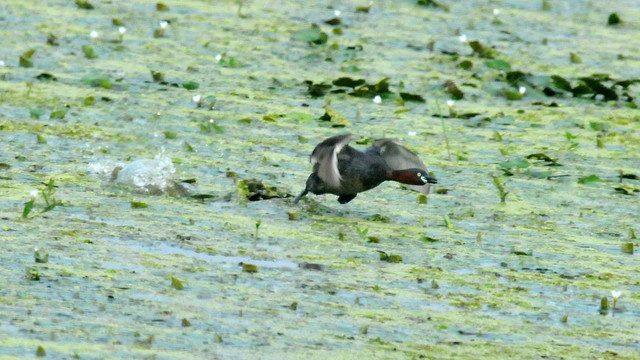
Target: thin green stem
<point>444,129</point>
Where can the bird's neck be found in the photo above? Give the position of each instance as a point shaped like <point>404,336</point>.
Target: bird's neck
<point>403,176</point>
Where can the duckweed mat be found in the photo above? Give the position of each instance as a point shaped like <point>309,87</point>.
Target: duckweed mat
<point>525,111</point>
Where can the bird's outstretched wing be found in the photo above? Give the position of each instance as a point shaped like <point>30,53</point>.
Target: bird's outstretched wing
<point>399,157</point>
<point>324,158</point>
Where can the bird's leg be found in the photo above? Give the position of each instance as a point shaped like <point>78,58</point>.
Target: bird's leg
<point>343,199</point>
<point>303,193</point>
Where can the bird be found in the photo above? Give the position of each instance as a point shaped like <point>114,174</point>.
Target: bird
<point>342,170</point>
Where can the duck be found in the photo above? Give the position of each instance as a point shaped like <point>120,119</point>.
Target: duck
<point>341,170</point>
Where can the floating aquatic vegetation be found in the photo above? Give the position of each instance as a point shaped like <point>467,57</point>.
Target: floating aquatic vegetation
<point>25,58</point>
<point>139,205</point>
<point>482,50</point>
<point>250,268</point>
<point>392,258</point>
<point>40,256</point>
<point>255,190</point>
<point>336,119</point>
<point>48,195</point>
<point>46,77</point>
<point>613,19</point>
<point>98,81</point>
<point>501,189</point>
<point>83,4</point>
<point>311,35</point>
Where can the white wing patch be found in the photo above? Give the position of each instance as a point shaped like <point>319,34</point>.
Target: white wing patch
<point>326,156</point>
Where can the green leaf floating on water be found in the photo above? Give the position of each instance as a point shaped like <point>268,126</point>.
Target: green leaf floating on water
<point>452,88</point>
<point>170,134</point>
<point>599,126</point>
<point>428,239</point>
<point>139,205</point>
<point>515,163</point>
<point>561,83</point>
<point>88,51</point>
<point>231,63</point>
<point>250,268</point>
<point>40,352</point>
<point>191,85</point>
<point>46,76</point>
<point>299,117</point>
<point>311,35</point>
<point>613,19</point>
<point>588,179</point>
<point>626,190</point>
<point>83,4</point>
<point>176,283</point>
<point>98,81</point>
<point>371,90</point>
<point>392,258</point>
<point>521,253</point>
<point>497,64</point>
<point>25,58</point>
<point>157,76</point>
<point>433,4</point>
<point>575,58</point>
<point>348,82</point>
<point>483,51</point>
<point>36,113</point>
<point>541,156</point>
<point>465,64</point>
<point>336,119</point>
<point>58,114</point>
<point>316,89</point>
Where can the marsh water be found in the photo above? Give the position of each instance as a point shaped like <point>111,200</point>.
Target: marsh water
<point>514,254</point>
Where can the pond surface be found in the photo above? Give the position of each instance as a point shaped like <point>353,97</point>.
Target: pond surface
<point>188,268</point>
